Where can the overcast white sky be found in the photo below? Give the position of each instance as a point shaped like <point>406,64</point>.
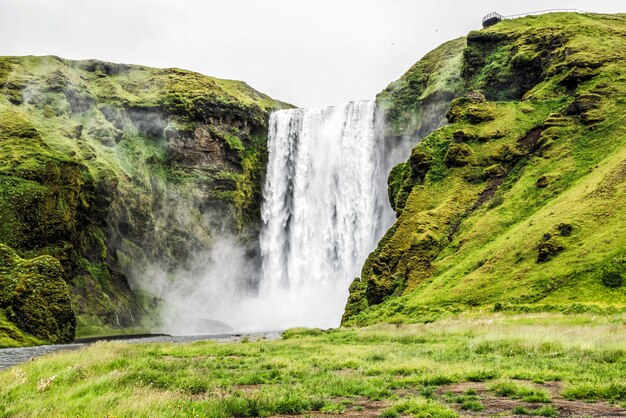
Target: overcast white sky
<point>307,52</point>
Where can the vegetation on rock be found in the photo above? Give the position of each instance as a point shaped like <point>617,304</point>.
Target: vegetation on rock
<point>413,103</point>
<point>108,167</point>
<point>35,297</point>
<point>518,203</point>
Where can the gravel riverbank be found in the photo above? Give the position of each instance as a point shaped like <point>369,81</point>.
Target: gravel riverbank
<point>12,356</point>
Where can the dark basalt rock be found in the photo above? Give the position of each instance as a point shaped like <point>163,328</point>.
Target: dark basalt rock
<point>565,229</point>
<point>106,68</point>
<point>542,182</point>
<point>583,103</point>
<point>496,171</point>
<point>578,76</point>
<point>78,100</point>
<point>420,163</point>
<point>548,248</point>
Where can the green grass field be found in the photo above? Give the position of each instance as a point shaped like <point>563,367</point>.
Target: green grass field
<point>541,364</point>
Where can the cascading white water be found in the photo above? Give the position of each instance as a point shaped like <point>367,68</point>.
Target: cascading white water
<point>322,210</point>
<point>325,208</point>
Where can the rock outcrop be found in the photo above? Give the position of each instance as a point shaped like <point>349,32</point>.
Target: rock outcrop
<point>518,202</point>
<point>108,168</point>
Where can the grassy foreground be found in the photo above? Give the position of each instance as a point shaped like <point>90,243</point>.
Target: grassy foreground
<point>538,364</point>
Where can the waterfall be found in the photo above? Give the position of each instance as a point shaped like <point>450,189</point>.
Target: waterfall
<point>323,210</point>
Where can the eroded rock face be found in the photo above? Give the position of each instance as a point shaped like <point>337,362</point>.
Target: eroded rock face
<point>201,148</point>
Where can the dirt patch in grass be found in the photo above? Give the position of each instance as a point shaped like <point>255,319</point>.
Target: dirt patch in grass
<point>345,372</point>
<point>505,406</point>
<point>363,408</point>
<point>247,388</point>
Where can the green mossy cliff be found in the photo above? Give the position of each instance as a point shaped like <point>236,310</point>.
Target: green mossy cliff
<point>107,168</point>
<point>518,203</point>
<point>34,296</point>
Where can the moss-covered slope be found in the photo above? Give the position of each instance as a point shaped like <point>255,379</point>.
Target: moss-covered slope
<point>415,104</point>
<point>108,167</point>
<point>519,202</point>
<point>35,297</point>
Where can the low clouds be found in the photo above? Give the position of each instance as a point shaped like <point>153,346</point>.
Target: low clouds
<point>307,52</point>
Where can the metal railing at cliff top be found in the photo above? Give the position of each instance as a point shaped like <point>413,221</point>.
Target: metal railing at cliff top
<point>493,18</point>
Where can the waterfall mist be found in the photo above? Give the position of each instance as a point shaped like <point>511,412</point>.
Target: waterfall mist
<point>325,208</point>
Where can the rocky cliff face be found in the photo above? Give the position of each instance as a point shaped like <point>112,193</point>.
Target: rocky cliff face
<point>108,168</point>
<point>518,202</point>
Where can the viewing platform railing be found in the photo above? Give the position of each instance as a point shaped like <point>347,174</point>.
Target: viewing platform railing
<point>493,18</point>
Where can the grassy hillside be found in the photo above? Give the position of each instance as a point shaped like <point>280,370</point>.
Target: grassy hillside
<point>519,202</point>
<point>107,167</point>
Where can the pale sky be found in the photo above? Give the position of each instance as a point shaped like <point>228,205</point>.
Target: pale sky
<point>307,52</point>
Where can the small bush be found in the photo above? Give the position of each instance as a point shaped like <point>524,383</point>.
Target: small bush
<point>301,332</point>
<point>535,396</point>
<point>376,358</point>
<point>589,392</point>
<point>427,392</point>
<point>520,410</point>
<point>482,375</point>
<point>419,408</point>
<point>438,380</point>
<point>331,408</point>
<point>546,411</point>
<point>612,277</point>
<point>469,401</point>
<point>504,389</point>
<point>389,413</point>
<point>525,393</point>
<point>475,406</point>
<point>292,403</point>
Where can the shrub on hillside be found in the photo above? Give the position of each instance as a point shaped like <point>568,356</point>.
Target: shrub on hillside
<point>612,276</point>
